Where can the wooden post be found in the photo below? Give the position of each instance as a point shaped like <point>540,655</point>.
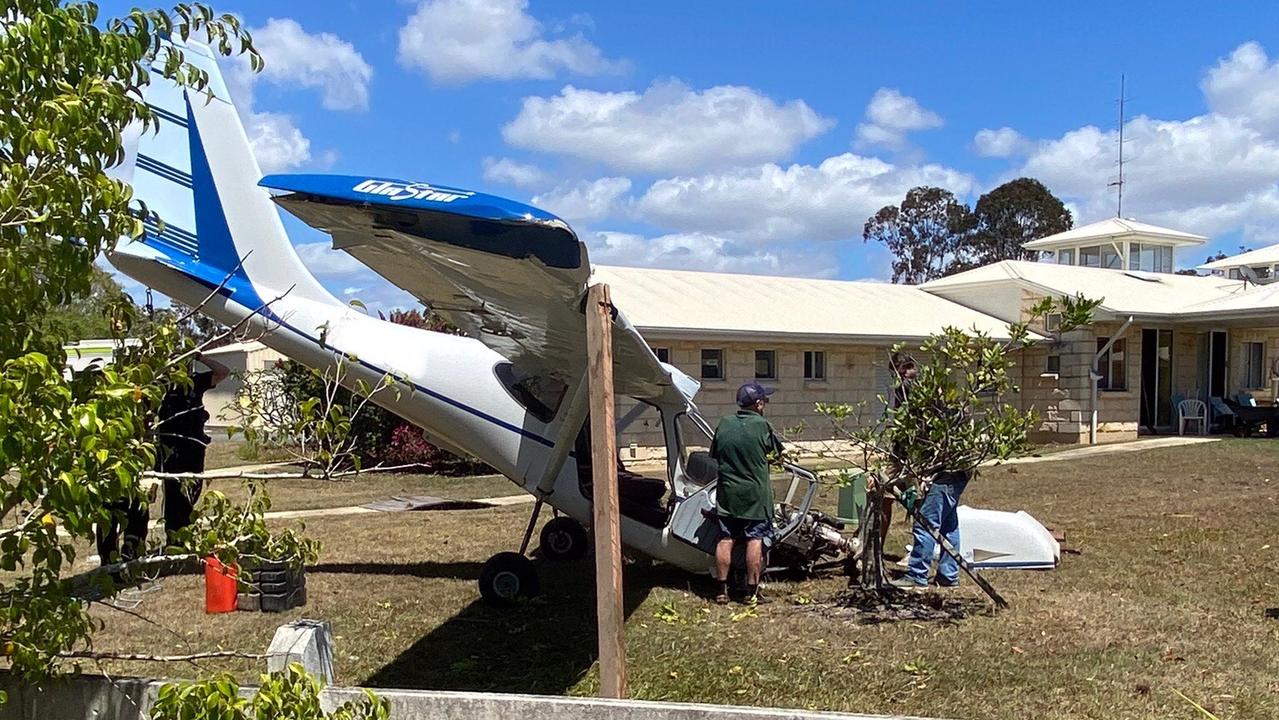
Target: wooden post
<point>610,613</point>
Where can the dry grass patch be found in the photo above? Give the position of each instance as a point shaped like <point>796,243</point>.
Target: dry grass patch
<point>1167,594</point>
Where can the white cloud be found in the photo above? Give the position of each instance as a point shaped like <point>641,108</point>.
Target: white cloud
<point>583,201</point>
<point>277,143</point>
<point>1002,143</point>
<point>1209,174</point>
<point>295,58</point>
<point>459,41</point>
<point>700,251</point>
<point>668,128</point>
<point>1245,85</point>
<point>890,117</point>
<point>510,172</point>
<point>324,62</point>
<point>801,202</point>
<point>321,259</point>
<point>1213,173</point>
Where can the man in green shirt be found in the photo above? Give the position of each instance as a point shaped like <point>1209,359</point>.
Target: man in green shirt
<point>743,445</point>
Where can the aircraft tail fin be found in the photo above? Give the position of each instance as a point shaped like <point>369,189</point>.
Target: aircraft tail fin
<point>196,172</point>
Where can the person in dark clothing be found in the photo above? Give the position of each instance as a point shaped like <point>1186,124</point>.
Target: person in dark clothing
<point>181,443</point>
<point>905,369</point>
<point>180,447</point>
<point>743,445</point>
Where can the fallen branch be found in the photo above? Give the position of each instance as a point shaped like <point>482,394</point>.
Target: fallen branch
<point>88,585</point>
<point>279,476</point>
<point>92,655</point>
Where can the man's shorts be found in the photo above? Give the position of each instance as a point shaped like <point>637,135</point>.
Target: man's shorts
<point>739,529</point>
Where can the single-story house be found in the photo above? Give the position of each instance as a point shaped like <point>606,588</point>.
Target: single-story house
<point>1174,336</point>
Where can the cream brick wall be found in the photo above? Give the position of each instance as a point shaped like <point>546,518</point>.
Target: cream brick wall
<point>859,374</point>
<point>854,374</point>
<point>1236,382</point>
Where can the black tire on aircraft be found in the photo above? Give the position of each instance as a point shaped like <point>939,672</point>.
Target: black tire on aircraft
<point>507,578</point>
<point>564,538</point>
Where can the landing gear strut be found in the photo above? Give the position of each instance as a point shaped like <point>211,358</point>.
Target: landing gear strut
<point>509,577</point>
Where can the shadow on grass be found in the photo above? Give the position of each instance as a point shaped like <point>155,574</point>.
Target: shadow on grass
<point>429,570</point>
<point>544,646</point>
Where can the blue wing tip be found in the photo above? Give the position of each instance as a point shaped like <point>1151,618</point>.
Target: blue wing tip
<point>417,195</point>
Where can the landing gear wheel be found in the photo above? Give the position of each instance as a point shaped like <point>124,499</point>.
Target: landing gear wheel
<point>564,538</point>
<point>508,577</point>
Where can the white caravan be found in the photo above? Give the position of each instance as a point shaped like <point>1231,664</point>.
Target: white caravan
<point>512,393</point>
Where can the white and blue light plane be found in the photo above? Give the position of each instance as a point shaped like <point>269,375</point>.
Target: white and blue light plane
<point>512,392</point>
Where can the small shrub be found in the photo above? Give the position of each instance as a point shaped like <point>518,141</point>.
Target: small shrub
<point>291,694</point>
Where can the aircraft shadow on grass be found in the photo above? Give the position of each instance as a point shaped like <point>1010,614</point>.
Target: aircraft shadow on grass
<point>545,646</point>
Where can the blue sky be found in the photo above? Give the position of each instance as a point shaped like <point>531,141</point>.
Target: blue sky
<point>758,137</point>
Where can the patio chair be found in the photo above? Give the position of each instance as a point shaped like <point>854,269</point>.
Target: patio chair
<point>1192,411</point>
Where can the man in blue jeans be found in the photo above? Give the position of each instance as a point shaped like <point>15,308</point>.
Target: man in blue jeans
<point>939,510</point>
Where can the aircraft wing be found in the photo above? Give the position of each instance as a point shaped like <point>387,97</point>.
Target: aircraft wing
<point>509,274</point>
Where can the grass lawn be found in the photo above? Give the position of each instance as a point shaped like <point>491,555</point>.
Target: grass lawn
<point>1177,565</point>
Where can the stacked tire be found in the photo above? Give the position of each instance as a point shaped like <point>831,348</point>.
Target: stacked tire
<point>271,586</point>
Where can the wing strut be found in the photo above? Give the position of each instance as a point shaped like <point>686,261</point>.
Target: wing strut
<point>569,428</point>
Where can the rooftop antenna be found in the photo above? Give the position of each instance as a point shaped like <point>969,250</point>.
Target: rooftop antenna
<point>1119,184</point>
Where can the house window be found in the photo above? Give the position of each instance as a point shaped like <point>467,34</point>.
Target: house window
<point>765,364</point>
<point>1113,365</point>
<point>1052,365</point>
<point>1254,363</point>
<point>1090,256</point>
<point>712,364</point>
<point>1052,322</point>
<point>1150,258</point>
<point>1066,257</point>
<point>663,354</point>
<point>1110,258</point>
<point>814,365</point>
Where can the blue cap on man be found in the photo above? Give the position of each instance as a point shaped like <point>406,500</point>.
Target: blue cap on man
<point>750,393</point>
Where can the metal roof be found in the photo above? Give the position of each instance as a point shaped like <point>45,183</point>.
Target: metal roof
<point>1268,255</point>
<point>1113,229</point>
<point>674,303</point>
<point>1123,292</point>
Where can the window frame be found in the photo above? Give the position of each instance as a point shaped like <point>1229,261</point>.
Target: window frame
<point>815,360</point>
<point>1049,363</point>
<point>1108,363</point>
<point>1066,256</point>
<point>662,350</point>
<point>771,356</point>
<point>1090,250</point>
<point>1108,252</point>
<point>719,364</point>
<point>1249,367</point>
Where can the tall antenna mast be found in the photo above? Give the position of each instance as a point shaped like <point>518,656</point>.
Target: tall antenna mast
<point>1119,184</point>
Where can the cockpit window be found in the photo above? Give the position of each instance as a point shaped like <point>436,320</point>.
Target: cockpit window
<point>692,437</point>
<point>541,395</point>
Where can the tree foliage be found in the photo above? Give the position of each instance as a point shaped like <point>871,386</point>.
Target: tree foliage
<point>925,234</point>
<point>72,448</point>
<point>953,415</point>
<point>932,234</point>
<point>1012,215</point>
<point>90,315</point>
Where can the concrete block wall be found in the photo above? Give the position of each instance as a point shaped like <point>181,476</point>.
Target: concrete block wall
<point>854,374</point>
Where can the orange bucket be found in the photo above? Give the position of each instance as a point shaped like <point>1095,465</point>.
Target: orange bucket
<point>220,586</point>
